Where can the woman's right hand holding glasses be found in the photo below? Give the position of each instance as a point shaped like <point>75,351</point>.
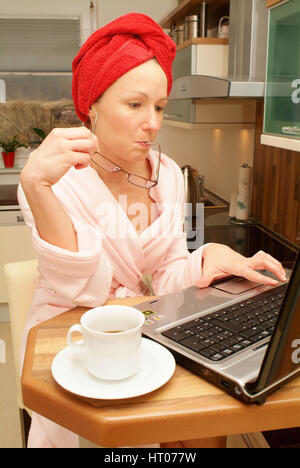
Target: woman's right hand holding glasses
<point>62,149</point>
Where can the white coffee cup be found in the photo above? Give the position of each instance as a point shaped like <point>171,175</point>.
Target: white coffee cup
<point>111,341</point>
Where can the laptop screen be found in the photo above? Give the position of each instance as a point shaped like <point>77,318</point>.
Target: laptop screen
<point>283,353</point>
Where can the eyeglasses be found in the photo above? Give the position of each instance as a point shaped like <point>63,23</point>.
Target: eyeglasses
<point>134,179</point>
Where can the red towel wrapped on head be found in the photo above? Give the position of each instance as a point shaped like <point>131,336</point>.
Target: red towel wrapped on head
<point>112,51</point>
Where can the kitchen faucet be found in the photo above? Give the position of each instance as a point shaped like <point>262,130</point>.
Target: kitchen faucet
<point>201,179</point>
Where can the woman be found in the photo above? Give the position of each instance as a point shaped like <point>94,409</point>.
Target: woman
<point>81,190</point>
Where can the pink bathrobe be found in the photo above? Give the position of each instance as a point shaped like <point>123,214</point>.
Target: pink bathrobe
<point>112,257</point>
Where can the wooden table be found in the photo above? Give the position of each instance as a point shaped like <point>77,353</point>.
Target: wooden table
<point>186,407</point>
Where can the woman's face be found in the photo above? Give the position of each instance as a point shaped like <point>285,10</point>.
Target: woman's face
<point>130,112</point>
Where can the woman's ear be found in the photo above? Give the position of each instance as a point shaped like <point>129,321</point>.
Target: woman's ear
<point>92,113</point>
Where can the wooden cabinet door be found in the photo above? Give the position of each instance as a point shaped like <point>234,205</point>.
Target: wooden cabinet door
<point>276,186</point>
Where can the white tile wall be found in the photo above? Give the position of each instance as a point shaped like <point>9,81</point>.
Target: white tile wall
<point>216,153</point>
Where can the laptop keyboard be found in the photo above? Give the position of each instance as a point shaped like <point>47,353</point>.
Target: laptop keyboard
<point>221,334</point>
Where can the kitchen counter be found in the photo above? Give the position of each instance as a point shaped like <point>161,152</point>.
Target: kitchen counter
<point>247,239</point>
<point>10,170</point>
<point>9,175</point>
<point>218,217</point>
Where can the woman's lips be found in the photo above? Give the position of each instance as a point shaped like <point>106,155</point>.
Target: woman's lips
<point>143,143</point>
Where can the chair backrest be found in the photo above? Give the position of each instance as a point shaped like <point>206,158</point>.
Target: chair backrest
<point>20,280</point>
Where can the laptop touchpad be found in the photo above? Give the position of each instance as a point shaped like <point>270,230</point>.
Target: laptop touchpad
<point>236,285</point>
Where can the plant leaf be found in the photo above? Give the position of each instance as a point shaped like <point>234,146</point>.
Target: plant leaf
<point>39,132</point>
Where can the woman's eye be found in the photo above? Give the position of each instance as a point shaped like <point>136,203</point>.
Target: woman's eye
<point>134,105</point>
<point>159,109</point>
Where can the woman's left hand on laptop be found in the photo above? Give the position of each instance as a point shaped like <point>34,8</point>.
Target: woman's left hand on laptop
<point>220,261</point>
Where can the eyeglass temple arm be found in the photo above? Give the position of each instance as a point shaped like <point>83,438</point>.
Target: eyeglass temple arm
<point>159,156</point>
<point>95,123</point>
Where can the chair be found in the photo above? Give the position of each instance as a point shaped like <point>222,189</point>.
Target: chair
<point>20,281</point>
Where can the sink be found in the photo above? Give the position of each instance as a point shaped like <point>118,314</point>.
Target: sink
<point>195,216</point>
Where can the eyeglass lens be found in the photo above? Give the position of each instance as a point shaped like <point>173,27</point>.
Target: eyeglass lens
<point>140,181</point>
<point>132,178</point>
<point>105,163</point>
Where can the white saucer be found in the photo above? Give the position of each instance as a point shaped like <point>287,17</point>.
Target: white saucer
<point>156,368</point>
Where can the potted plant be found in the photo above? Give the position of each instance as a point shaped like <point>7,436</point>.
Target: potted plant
<point>9,147</point>
<point>40,133</point>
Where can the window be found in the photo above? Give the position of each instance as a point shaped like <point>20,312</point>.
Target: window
<point>38,44</point>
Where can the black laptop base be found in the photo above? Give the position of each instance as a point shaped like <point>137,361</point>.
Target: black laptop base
<point>224,383</point>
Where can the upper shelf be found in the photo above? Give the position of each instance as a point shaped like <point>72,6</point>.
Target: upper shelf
<point>203,41</point>
<point>216,9</point>
<point>270,3</point>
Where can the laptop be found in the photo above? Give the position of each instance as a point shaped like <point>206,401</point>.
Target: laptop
<point>238,335</point>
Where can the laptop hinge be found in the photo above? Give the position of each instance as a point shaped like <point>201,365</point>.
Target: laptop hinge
<point>259,397</point>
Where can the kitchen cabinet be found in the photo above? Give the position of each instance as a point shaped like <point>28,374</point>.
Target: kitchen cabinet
<point>9,175</point>
<point>211,113</point>
<point>203,71</point>
<point>15,236</point>
<point>276,186</point>
<point>282,96</point>
<point>215,10</point>
<point>203,56</point>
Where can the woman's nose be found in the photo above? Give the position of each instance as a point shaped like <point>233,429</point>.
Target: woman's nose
<point>152,121</point>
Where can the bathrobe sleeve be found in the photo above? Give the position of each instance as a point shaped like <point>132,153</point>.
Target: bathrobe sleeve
<point>83,278</point>
<point>178,269</point>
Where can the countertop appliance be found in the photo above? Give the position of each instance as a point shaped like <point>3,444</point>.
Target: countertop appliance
<point>197,199</point>
<point>195,192</point>
<point>192,188</point>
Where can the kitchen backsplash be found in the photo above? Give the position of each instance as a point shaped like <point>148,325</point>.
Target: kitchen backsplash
<point>217,153</point>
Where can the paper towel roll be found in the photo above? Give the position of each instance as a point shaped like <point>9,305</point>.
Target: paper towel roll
<point>232,206</point>
<point>243,196</point>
